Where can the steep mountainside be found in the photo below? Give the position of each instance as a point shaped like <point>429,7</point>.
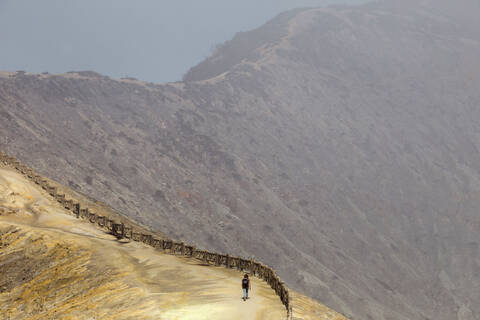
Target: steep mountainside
<point>340,145</point>
<point>55,266</point>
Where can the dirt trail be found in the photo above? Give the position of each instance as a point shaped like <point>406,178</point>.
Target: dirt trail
<point>54,266</point>
<point>133,282</point>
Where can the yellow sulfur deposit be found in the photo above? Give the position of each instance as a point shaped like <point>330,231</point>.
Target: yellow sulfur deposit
<point>54,266</point>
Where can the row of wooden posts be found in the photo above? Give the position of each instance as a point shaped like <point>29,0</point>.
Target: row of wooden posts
<point>123,231</point>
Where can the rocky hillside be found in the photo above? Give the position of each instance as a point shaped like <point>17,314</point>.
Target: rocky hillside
<point>339,145</point>
<point>55,266</point>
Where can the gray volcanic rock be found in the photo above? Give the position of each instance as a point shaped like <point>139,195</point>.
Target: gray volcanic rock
<point>339,145</point>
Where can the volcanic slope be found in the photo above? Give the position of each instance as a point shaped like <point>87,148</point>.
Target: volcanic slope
<point>338,145</point>
<point>57,267</point>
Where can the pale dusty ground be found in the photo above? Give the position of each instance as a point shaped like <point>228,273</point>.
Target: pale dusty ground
<point>56,267</point>
<point>6,74</point>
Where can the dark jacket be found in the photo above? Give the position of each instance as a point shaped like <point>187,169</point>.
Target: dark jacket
<point>245,283</point>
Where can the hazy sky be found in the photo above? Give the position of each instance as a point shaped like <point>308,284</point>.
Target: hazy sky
<point>153,40</point>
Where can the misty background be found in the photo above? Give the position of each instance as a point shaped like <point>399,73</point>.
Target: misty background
<point>151,40</point>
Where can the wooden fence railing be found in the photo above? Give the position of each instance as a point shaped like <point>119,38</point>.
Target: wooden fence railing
<point>123,231</point>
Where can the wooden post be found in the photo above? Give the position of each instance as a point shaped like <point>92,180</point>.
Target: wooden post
<point>101,221</point>
<point>261,271</point>
<point>205,257</point>
<point>76,209</point>
<point>114,229</point>
<point>110,225</point>
<point>122,230</point>
<point>86,213</point>
<point>53,191</point>
<point>61,199</point>
<point>182,248</point>
<point>228,262</point>
<point>239,262</point>
<point>119,230</point>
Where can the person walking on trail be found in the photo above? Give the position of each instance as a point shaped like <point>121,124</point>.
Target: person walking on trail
<point>245,286</point>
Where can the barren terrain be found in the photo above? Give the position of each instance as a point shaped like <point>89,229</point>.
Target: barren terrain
<point>338,145</point>
<point>57,267</point>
